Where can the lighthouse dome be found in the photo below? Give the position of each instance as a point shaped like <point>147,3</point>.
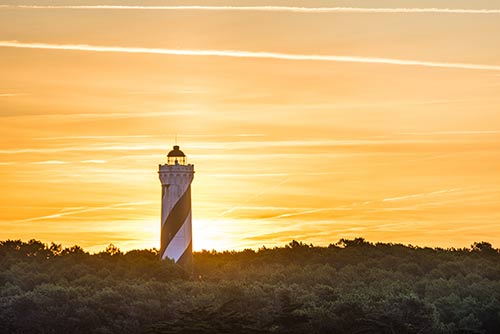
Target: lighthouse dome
<point>176,157</point>
<point>176,152</point>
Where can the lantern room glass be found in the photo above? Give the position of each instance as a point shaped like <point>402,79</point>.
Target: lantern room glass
<point>177,161</point>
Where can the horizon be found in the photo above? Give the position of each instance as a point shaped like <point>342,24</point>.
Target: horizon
<point>315,121</point>
<point>341,243</point>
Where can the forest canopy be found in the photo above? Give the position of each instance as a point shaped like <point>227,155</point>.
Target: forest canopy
<point>352,286</point>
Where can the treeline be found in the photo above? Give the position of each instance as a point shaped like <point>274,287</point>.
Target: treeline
<point>352,286</point>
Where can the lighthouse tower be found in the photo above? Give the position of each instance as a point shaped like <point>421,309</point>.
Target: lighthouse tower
<point>176,231</point>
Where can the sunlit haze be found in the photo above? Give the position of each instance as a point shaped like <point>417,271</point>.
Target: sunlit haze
<point>375,119</point>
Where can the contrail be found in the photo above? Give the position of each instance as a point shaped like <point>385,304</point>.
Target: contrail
<point>289,9</point>
<point>249,54</point>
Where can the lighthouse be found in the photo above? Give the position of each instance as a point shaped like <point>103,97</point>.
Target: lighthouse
<point>176,228</point>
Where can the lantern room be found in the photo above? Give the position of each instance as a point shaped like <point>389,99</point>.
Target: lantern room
<point>176,157</point>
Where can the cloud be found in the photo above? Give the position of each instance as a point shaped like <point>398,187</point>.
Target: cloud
<point>95,137</point>
<point>231,146</point>
<point>255,196</point>
<point>50,162</point>
<point>237,135</point>
<point>74,211</point>
<point>93,161</point>
<point>306,212</point>
<point>454,133</point>
<point>413,196</point>
<point>249,54</point>
<point>289,9</point>
<point>12,94</point>
<point>358,205</point>
<point>113,115</point>
<point>83,149</point>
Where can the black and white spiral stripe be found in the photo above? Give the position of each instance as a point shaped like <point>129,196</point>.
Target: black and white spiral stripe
<point>176,243</point>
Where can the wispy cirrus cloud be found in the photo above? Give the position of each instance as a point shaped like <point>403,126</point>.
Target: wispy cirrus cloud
<point>112,115</point>
<point>12,94</point>
<point>453,133</point>
<point>228,146</point>
<point>358,205</point>
<point>422,195</point>
<point>250,54</point>
<point>61,162</point>
<point>140,147</point>
<point>95,137</point>
<point>94,161</point>
<point>50,162</point>
<point>286,9</point>
<point>78,210</point>
<point>222,136</point>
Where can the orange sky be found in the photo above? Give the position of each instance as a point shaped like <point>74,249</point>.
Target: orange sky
<point>311,149</point>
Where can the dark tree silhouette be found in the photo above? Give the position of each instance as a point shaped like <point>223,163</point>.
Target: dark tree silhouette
<point>352,286</point>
